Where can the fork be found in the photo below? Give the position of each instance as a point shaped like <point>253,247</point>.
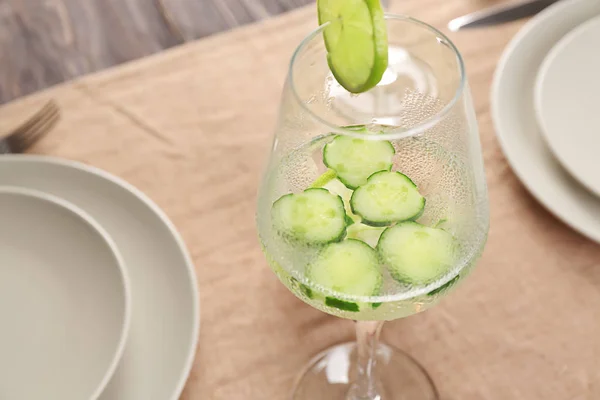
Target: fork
<point>32,130</point>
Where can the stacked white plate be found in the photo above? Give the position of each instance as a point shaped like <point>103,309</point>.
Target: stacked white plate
<point>546,110</point>
<point>98,296</point>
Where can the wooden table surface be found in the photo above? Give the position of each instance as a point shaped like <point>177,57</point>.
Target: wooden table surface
<point>45,42</point>
<point>191,127</point>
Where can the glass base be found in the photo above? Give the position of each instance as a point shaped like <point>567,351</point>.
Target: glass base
<point>330,374</point>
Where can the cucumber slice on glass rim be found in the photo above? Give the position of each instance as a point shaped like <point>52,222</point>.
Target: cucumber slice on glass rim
<point>356,41</point>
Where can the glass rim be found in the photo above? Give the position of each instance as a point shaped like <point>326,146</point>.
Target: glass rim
<point>393,134</point>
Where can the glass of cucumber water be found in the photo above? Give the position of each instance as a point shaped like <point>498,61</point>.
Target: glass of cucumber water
<point>374,204</point>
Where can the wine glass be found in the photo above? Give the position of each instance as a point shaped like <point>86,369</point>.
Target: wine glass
<point>374,268</point>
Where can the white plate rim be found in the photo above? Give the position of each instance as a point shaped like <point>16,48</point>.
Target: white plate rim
<point>103,234</point>
<point>515,163</point>
<point>538,92</point>
<point>168,224</point>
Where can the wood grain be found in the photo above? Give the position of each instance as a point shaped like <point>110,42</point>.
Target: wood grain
<point>44,42</point>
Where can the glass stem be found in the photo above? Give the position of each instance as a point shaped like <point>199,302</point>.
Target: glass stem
<point>367,337</point>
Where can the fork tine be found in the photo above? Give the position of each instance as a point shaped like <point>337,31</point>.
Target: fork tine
<point>25,131</point>
<point>47,111</point>
<point>47,108</point>
<point>24,139</point>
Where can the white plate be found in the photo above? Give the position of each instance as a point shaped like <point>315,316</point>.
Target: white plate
<point>516,125</point>
<point>567,102</point>
<point>64,300</point>
<point>165,310</point>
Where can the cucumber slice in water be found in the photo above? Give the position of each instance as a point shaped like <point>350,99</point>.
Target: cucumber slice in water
<point>356,42</point>
<point>354,160</point>
<point>445,286</point>
<point>368,234</point>
<point>314,216</point>
<point>357,128</point>
<point>350,267</point>
<point>417,254</point>
<point>324,179</point>
<point>387,197</point>
<point>342,305</point>
<point>337,187</point>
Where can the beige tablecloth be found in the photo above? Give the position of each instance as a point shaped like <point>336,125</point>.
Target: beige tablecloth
<point>191,127</point>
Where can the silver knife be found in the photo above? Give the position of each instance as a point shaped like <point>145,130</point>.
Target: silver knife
<point>499,14</point>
